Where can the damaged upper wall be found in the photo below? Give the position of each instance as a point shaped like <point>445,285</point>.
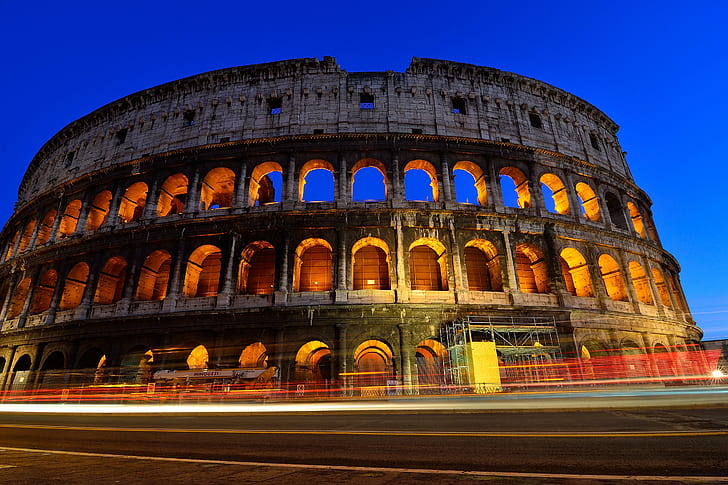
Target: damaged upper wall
<point>311,96</point>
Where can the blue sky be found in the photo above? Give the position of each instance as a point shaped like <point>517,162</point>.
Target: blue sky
<point>658,69</point>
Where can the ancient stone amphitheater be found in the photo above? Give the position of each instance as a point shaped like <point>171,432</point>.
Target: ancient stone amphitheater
<point>342,228</point>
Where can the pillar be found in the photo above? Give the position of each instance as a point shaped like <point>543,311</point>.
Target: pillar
<point>192,205</point>
<point>240,198</point>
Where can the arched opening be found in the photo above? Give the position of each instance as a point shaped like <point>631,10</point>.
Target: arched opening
<point>373,364</point>
<point>663,360</point>
<point>21,374</point>
<point>482,266</point>
<point>46,227</point>
<point>132,203</point>
<point>554,194</point>
<point>52,375</point>
<point>661,287</point>
<point>612,277</point>
<point>616,213</point>
<point>312,266</point>
<point>69,220</point>
<point>420,182</point>
<point>430,355</point>
<point>677,292</point>
<point>428,265</point>
<point>589,202</point>
<point>266,184</point>
<point>11,245</point>
<point>111,281</point>
<point>18,300</point>
<point>154,276</point>
<point>173,195</point>
<point>316,182</point>
<point>92,367</point>
<point>218,188</point>
<point>198,358</point>
<point>594,360</point>
<point>254,356</point>
<point>370,264</point>
<point>257,269</point>
<point>368,181</point>
<point>634,359</point>
<point>313,363</point>
<point>636,216</point>
<point>641,282</point>
<point>99,210</point>
<point>576,273</point>
<point>514,188</point>
<point>43,294</point>
<point>531,269</point>
<point>469,181</point>
<point>136,366</point>
<point>203,272</point>
<point>27,236</point>
<point>74,287</point>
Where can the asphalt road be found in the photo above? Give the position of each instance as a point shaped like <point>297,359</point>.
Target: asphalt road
<point>597,444</point>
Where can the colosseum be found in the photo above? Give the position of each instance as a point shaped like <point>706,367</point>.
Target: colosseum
<point>292,222</point>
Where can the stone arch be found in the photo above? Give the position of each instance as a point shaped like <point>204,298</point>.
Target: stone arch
<point>136,365</point>
<point>589,202</point>
<point>74,287</point>
<point>616,212</point>
<point>70,217</point>
<point>173,195</point>
<point>418,176</point>
<point>44,290</point>
<point>46,227</point>
<point>513,179</point>
<point>472,191</point>
<point>22,289</point>
<point>99,210</point>
<point>257,269</point>
<point>661,287</point>
<point>428,265</point>
<point>663,360</point>
<point>218,188</point>
<point>373,364</point>
<point>313,362</point>
<point>132,202</point>
<point>531,269</point>
<point>91,367</point>
<point>430,356</point>
<point>370,260</point>
<point>575,272</point>
<point>634,359</point>
<point>637,222</point>
<point>612,277</point>
<point>368,181</point>
<point>316,182</point>
<point>261,189</point>
<point>52,371</point>
<point>198,358</point>
<point>202,276</point>
<point>111,280</point>
<point>154,276</point>
<point>11,245</point>
<point>641,283</point>
<point>27,236</point>
<point>20,377</point>
<point>555,190</point>
<point>482,266</point>
<point>312,269</point>
<point>254,355</point>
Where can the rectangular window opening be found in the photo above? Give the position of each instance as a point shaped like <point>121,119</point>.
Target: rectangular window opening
<point>535,120</point>
<point>275,105</point>
<point>121,136</point>
<point>416,131</point>
<point>458,106</point>
<point>318,131</point>
<point>594,141</point>
<point>224,139</point>
<point>366,101</point>
<point>189,118</point>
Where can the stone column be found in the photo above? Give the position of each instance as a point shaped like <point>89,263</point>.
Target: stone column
<point>510,263</point>
<point>152,200</point>
<point>341,268</point>
<point>34,236</point>
<point>409,371</point>
<point>56,223</point>
<point>192,204</point>
<point>292,186</point>
<point>343,192</point>
<point>8,369</point>
<point>227,286</point>
<point>460,286</point>
<point>280,296</point>
<point>175,283</point>
<point>447,190</point>
<point>495,193</point>
<point>83,215</point>
<point>240,198</point>
<point>29,297</point>
<point>11,289</point>
<point>341,356</point>
<point>57,294</point>
<point>396,181</point>
<point>16,244</point>
<point>112,219</point>
<point>402,285</point>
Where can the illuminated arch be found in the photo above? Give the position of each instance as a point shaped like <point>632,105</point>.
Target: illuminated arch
<point>154,276</point>
<point>576,273</point>
<point>19,296</point>
<point>416,173</point>
<point>313,362</point>
<point>636,216</point>
<point>520,186</point>
<point>370,264</point>
<point>69,220</point>
<point>556,191</point>
<point>173,195</point>
<point>477,184</point>
<point>616,213</point>
<point>46,227</point>
<point>133,201</point>
<point>261,190</point>
<point>111,281</point>
<point>320,187</point>
<point>218,188</point>
<point>373,363</point>
<point>74,287</point>
<point>641,282</point>
<point>136,366</point>
<point>254,355</point>
<point>589,202</point>
<point>428,265</point>
<point>99,210</point>
<point>531,269</point>
<point>198,358</point>
<point>368,181</point>
<point>661,287</point>
<point>43,294</point>
<point>482,266</point>
<point>312,266</point>
<point>26,237</point>
<point>430,355</point>
<point>203,272</point>
<point>612,276</point>
<point>257,269</point>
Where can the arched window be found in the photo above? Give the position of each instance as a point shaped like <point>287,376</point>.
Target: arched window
<point>69,221</point>
<point>430,355</point>
<point>370,261</point>
<point>531,269</point>
<point>373,363</point>
<point>173,195</point>
<point>26,237</point>
<point>677,292</point>
<point>203,272</point>
<point>612,276</point>
<point>637,222</point>
<point>198,358</point>
<point>313,362</point>
<point>254,356</point>
<point>368,181</point>
<point>99,210</point>
<point>136,366</point>
<point>111,281</point>
<point>154,276</point>
<point>19,296</point>
<point>46,227</point>
<point>74,287</point>
<point>482,265</point>
<point>641,282</point>
<point>43,294</point>
<point>589,202</point>
<point>312,267</point>
<point>428,265</point>
<point>420,182</point>
<point>257,269</point>
<point>266,183</point>
<point>316,182</point>
<point>11,245</point>
<point>616,213</point>
<point>514,187</point>
<point>661,287</point>
<point>469,181</point>
<point>576,273</point>
<point>218,189</point>
<point>133,202</point>
<point>554,194</point>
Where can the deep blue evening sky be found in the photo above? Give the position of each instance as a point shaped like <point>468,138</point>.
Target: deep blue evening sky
<point>658,69</point>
